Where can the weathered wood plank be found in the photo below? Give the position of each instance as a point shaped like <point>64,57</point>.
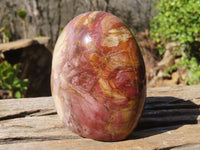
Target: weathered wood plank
<point>150,139</point>
<point>24,107</point>
<point>170,120</point>
<point>182,92</point>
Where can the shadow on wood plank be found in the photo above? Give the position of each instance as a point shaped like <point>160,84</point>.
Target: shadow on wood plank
<point>162,114</point>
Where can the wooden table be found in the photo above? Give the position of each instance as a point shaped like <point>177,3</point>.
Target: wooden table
<point>170,121</point>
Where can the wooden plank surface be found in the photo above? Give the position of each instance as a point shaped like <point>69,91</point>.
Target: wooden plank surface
<point>170,121</point>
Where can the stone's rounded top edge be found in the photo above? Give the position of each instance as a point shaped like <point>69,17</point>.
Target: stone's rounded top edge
<point>104,13</point>
<point>92,12</point>
<point>95,12</point>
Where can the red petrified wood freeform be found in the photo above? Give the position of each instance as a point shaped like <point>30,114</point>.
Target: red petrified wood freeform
<point>98,77</point>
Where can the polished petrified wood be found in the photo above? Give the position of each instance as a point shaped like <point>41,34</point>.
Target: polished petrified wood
<point>98,77</point>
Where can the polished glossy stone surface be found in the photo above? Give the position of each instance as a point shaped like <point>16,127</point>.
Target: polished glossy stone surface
<point>98,77</point>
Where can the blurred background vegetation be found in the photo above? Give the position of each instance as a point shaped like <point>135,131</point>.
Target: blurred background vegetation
<point>179,21</point>
<point>168,32</point>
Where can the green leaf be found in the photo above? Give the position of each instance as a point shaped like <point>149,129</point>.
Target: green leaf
<point>21,13</point>
<point>9,79</point>
<point>18,94</point>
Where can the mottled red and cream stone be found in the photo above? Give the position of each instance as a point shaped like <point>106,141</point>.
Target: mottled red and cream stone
<point>98,77</point>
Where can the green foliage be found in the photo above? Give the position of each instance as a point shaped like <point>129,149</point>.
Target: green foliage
<point>38,35</point>
<point>179,20</point>
<point>7,34</point>
<point>9,79</point>
<point>21,13</point>
<point>171,69</point>
<point>61,29</point>
<point>192,68</point>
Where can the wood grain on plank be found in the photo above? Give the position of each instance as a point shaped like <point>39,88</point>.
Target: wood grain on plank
<point>170,121</point>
